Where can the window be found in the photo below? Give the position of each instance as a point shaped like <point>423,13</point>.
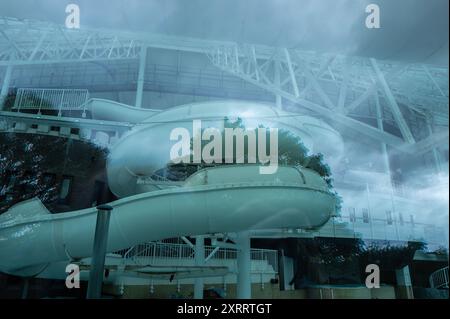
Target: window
<point>411,219</point>
<point>352,214</point>
<point>75,131</point>
<point>389,217</point>
<point>400,216</point>
<point>365,212</point>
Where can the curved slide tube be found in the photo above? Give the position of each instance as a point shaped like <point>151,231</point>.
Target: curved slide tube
<point>146,148</point>
<point>108,110</point>
<point>222,199</point>
<point>214,200</point>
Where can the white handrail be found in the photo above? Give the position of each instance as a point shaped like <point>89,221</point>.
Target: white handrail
<point>51,99</point>
<point>439,278</point>
<point>147,252</point>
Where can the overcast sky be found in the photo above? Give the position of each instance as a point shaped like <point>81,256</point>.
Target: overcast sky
<point>413,30</point>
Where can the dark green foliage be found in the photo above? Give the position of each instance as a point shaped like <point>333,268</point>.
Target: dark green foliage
<point>323,260</point>
<point>8,102</point>
<point>335,250</point>
<point>26,160</point>
<point>29,100</point>
<point>390,257</point>
<point>22,161</point>
<point>291,152</point>
<point>345,259</point>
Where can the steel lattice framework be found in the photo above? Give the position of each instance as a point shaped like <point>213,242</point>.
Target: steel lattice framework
<point>332,86</point>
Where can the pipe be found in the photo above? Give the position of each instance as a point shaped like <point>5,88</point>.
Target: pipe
<point>199,259</point>
<point>244,277</point>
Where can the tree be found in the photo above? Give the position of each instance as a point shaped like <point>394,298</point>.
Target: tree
<point>291,152</point>
<point>389,257</point>
<point>28,164</point>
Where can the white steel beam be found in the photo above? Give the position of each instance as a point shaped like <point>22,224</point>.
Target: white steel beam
<point>433,80</point>
<point>188,242</point>
<point>199,259</point>
<point>384,150</point>
<point>434,151</point>
<point>5,85</point>
<point>427,144</point>
<point>20,46</point>
<point>403,126</point>
<point>344,86</point>
<point>141,74</point>
<point>340,119</point>
<point>313,81</point>
<point>291,73</point>
<point>255,62</point>
<point>212,253</point>
<point>277,70</point>
<point>38,46</point>
<point>361,99</point>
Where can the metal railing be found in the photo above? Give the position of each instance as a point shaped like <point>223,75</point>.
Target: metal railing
<point>439,278</point>
<point>50,99</point>
<point>147,253</point>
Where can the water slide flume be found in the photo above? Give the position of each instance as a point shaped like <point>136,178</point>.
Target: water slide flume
<point>147,147</point>
<point>215,200</point>
<point>221,199</point>
<point>114,111</point>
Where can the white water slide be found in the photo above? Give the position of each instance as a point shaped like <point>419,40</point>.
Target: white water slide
<point>224,199</point>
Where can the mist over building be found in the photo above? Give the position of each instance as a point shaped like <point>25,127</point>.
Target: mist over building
<point>362,115</point>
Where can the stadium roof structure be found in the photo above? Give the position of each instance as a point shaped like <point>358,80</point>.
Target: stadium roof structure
<point>332,86</point>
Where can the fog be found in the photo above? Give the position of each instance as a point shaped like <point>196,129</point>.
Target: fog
<point>416,179</point>
<point>411,30</point>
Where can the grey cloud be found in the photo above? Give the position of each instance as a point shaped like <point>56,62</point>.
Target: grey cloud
<point>412,30</point>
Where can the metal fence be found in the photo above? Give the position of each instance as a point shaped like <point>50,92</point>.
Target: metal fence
<point>371,228</point>
<point>439,279</point>
<point>50,99</point>
<point>147,253</point>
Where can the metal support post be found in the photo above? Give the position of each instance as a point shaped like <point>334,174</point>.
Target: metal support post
<point>277,66</point>
<point>99,251</point>
<point>141,76</point>
<point>5,86</point>
<point>26,285</point>
<point>244,282</point>
<point>199,261</point>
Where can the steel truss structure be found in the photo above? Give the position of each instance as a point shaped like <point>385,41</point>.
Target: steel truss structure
<point>332,86</point>
<point>335,85</point>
